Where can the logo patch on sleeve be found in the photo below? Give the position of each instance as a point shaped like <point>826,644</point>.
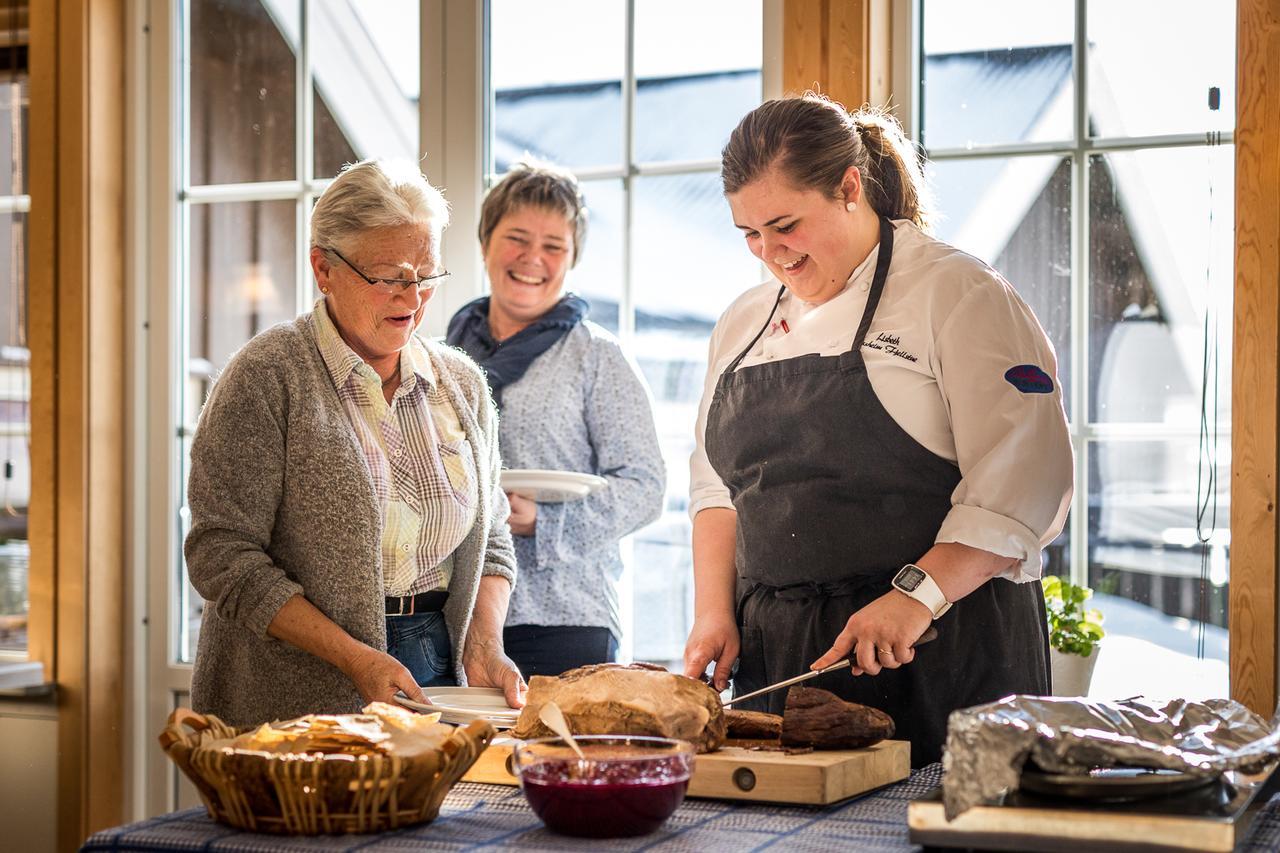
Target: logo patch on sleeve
<point>1029,379</point>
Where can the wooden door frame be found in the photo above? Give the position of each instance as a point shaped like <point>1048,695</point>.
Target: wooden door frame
<point>1252,613</point>
<point>76,336</point>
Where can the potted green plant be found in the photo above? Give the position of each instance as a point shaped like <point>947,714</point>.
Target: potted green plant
<point>1074,636</point>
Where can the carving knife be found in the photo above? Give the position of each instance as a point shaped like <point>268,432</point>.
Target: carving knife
<point>930,634</point>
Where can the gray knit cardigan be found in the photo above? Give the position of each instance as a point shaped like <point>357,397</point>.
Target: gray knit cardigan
<point>282,503</point>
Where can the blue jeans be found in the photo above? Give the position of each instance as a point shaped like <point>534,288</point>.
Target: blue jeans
<point>421,643</point>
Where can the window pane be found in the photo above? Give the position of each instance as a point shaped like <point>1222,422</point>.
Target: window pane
<point>243,266</point>
<point>1152,579</point>
<point>1015,214</point>
<point>692,90</point>
<point>556,76</point>
<point>15,432</point>
<point>242,274</point>
<point>365,65</point>
<point>598,275</point>
<point>241,102</point>
<point>996,72</point>
<point>13,135</point>
<point>686,269</point>
<point>1187,48</point>
<point>1160,254</point>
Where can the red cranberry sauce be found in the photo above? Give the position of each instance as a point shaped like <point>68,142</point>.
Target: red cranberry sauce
<point>606,799</point>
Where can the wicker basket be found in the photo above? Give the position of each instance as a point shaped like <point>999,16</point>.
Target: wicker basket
<point>312,794</point>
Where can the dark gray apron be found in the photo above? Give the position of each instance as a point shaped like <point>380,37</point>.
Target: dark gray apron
<point>833,497</point>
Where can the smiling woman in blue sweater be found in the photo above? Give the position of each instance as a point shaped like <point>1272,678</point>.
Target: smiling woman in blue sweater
<point>569,401</point>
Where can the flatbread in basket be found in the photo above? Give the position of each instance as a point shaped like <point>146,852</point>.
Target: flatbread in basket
<point>324,774</point>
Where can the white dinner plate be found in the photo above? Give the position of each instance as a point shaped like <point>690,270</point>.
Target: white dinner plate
<point>461,705</point>
<point>551,486</point>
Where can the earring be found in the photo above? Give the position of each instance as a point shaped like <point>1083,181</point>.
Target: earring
<point>324,290</point>
<point>851,206</point>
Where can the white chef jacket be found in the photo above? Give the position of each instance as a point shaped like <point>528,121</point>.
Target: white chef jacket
<point>945,334</point>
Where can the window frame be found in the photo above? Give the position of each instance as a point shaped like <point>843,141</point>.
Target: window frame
<point>627,172</point>
<point>11,204</point>
<point>452,73</point>
<point>1085,433</point>
<point>159,343</point>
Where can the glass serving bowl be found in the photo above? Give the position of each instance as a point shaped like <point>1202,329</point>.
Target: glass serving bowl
<point>627,785</point>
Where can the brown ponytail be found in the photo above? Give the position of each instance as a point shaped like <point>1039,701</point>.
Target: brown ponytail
<point>813,141</point>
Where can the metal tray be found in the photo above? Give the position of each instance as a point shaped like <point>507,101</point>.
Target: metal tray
<point>1113,784</point>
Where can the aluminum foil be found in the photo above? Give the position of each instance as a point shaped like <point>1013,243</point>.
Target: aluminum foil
<point>988,744</point>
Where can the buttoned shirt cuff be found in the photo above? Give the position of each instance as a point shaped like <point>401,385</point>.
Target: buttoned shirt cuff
<point>999,534</point>
<point>697,506</point>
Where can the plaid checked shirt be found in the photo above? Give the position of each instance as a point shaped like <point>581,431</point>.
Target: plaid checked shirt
<point>418,456</point>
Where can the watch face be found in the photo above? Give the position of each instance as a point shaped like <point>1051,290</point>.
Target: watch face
<point>909,578</point>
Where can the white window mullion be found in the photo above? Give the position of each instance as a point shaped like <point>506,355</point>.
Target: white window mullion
<point>626,300</point>
<point>1080,415</point>
<point>243,192</point>
<point>304,149</point>
<point>176,612</point>
<point>452,121</point>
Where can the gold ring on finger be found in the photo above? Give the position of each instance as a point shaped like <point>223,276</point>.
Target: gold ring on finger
<point>884,651</point>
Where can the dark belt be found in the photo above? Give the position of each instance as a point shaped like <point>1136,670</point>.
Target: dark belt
<point>423,602</point>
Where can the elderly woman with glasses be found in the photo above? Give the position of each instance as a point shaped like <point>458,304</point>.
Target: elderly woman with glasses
<point>348,530</point>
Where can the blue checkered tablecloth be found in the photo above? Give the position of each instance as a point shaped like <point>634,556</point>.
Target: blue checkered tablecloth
<point>497,817</point>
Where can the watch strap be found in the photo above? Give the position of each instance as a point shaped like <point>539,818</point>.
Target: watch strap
<point>927,591</point>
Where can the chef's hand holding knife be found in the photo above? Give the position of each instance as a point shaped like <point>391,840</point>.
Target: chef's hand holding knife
<point>881,635</point>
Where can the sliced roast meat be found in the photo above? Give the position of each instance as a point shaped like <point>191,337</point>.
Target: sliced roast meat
<point>753,725</point>
<point>822,720</point>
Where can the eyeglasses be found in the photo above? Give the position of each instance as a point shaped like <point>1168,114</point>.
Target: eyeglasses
<point>389,285</point>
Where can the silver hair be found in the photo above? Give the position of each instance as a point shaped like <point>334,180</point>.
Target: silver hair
<point>377,193</point>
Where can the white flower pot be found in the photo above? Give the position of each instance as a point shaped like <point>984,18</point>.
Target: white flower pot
<point>1071,674</point>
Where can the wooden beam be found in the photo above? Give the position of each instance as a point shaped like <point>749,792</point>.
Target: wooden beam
<point>85,370</point>
<point>71,596</point>
<point>103,358</point>
<point>839,48</point>
<point>1255,380</point>
<point>42,266</point>
<point>804,46</point>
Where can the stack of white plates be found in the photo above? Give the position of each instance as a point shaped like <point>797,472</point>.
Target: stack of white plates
<point>461,705</point>
<point>551,486</point>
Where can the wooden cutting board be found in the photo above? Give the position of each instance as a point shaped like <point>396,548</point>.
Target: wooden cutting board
<point>738,773</point>
<point>1214,819</point>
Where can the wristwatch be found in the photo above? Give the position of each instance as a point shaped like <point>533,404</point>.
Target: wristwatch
<point>915,582</point>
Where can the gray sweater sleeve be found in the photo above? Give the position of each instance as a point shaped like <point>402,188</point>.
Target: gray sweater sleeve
<point>500,555</point>
<point>233,491</point>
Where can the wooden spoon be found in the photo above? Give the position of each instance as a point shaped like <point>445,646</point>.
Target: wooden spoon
<point>551,715</point>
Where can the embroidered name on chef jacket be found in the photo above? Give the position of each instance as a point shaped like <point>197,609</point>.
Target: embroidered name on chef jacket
<point>890,343</point>
<point>1029,379</point>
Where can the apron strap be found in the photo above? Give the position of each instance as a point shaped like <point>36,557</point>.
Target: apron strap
<point>734,364</point>
<point>877,284</point>
<point>868,313</point>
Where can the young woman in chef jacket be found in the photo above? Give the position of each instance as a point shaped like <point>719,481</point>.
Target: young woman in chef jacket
<point>881,444</point>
